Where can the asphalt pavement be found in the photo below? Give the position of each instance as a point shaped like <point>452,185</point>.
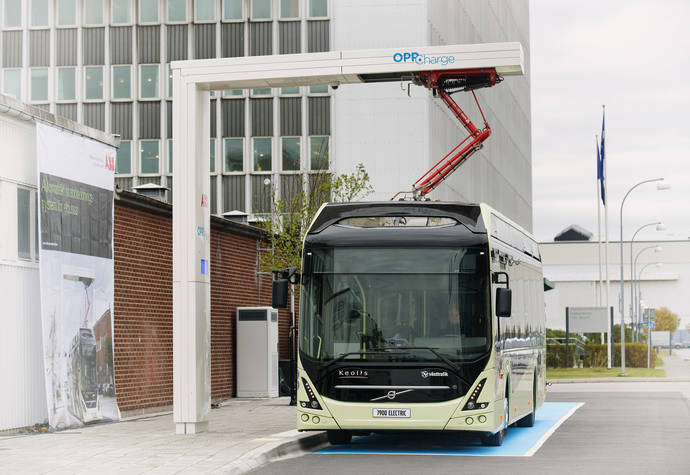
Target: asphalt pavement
<point>631,431</point>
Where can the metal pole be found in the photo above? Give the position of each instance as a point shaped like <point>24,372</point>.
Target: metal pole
<point>632,279</point>
<point>293,352</point>
<point>622,302</point>
<point>567,336</point>
<point>649,342</point>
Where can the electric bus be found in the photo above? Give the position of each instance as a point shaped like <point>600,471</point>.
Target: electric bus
<point>419,315</point>
<point>85,398</point>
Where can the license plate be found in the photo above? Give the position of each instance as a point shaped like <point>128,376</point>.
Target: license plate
<point>392,412</point>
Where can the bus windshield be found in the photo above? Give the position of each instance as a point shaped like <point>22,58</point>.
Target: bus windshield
<point>396,304</point>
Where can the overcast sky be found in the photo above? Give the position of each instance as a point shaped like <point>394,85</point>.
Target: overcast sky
<point>634,57</point>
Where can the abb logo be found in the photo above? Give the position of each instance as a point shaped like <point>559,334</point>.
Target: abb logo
<point>110,163</point>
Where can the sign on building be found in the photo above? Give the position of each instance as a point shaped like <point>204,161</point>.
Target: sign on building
<point>587,319</point>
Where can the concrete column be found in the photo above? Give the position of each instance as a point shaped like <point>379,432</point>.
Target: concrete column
<point>191,253</point>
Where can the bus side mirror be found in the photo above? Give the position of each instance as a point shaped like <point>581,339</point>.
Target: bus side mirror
<point>280,293</point>
<point>504,300</point>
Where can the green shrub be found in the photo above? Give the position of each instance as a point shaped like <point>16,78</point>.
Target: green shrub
<point>595,356</point>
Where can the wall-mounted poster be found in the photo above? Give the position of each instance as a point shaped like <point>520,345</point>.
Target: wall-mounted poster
<point>75,180</point>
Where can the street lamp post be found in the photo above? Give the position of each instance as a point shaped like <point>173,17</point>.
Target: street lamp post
<point>633,322</point>
<point>622,299</point>
<point>636,298</point>
<point>649,331</point>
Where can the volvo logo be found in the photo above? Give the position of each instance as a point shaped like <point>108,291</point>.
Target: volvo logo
<point>391,394</point>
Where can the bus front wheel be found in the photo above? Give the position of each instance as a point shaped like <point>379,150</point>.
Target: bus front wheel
<point>339,437</point>
<point>496,440</point>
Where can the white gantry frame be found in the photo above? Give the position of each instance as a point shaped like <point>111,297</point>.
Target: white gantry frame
<point>192,81</point>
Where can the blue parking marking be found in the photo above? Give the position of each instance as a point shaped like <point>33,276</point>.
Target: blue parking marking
<point>518,442</point>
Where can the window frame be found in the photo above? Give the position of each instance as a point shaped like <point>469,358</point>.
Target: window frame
<point>289,18</point>
<point>176,22</point>
<point>256,20</point>
<point>139,4</point>
<point>282,168</point>
<point>30,94</point>
<point>131,173</point>
<point>84,98</point>
<point>21,82</point>
<point>328,12</point>
<point>140,97</point>
<point>57,85</point>
<point>141,161</point>
<point>330,160</point>
<point>241,20</point>
<point>215,13</point>
<point>132,14</point>
<point>260,172</point>
<point>84,16</point>
<point>76,15</point>
<point>21,17</point>
<point>112,83</point>
<point>50,16</point>
<point>244,157</point>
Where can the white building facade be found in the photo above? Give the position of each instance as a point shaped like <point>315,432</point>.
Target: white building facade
<point>573,267</point>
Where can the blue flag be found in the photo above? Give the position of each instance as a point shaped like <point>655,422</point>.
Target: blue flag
<point>600,160</point>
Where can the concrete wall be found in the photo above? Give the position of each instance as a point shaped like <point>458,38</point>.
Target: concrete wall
<point>399,138</point>
<point>573,267</point>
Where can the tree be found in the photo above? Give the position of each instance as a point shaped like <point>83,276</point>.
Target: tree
<point>294,211</point>
<point>664,319</point>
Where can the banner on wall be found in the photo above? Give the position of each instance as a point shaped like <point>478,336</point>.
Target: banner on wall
<point>75,177</point>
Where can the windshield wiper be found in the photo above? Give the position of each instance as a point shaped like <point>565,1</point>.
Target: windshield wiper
<point>433,350</point>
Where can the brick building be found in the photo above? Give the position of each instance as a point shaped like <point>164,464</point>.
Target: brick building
<point>143,301</point>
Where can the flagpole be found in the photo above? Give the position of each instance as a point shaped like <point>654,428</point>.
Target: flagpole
<point>601,279</point>
<point>606,257</point>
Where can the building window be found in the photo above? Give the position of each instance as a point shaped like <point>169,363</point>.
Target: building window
<point>123,158</point>
<point>212,155</point>
<point>67,90</point>
<point>170,78</point>
<point>24,223</point>
<point>234,154</point>
<point>261,92</point>
<point>261,152</point>
<point>67,12</point>
<point>318,90</point>
<point>289,9</point>
<point>177,11</point>
<point>122,82</point>
<point>39,85</point>
<point>318,152</point>
<point>170,156</point>
<point>121,11</point>
<point>148,157</point>
<point>93,14</point>
<point>261,9</point>
<point>205,10</point>
<point>12,82</point>
<point>12,13</point>
<point>233,10</point>
<point>39,12</point>
<point>148,11</point>
<point>289,91</point>
<point>233,93</point>
<point>318,8</point>
<point>148,81</point>
<point>93,83</point>
<point>290,151</point>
